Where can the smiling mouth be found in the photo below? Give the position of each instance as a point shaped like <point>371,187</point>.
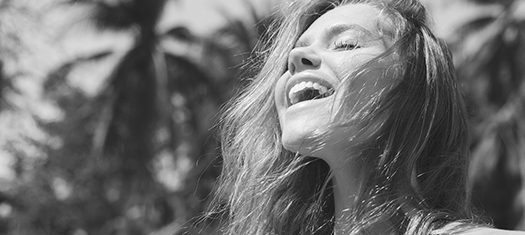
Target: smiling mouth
<point>308,91</point>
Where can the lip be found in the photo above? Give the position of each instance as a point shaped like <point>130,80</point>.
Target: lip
<point>308,77</point>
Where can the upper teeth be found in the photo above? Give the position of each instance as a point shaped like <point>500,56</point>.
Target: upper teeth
<point>294,94</point>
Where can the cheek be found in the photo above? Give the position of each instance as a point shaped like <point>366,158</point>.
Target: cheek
<point>367,89</point>
<point>280,95</point>
<point>362,92</point>
<point>346,66</point>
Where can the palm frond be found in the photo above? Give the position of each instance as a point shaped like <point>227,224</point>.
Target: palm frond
<point>123,15</point>
<point>489,59</point>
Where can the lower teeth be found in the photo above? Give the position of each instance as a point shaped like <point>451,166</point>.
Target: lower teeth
<point>310,94</point>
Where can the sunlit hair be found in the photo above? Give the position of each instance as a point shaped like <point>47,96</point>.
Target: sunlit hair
<point>414,162</point>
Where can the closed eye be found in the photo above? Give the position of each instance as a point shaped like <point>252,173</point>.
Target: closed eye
<point>346,45</point>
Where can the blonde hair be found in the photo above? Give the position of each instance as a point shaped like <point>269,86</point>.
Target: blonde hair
<point>416,160</point>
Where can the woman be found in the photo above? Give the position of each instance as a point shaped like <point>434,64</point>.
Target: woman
<point>354,125</point>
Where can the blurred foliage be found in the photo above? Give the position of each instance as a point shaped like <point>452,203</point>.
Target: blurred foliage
<point>490,54</point>
<point>141,156</point>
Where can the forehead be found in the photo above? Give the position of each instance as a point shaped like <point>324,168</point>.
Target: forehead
<point>360,15</point>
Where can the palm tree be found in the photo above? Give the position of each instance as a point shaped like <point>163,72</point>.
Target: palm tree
<point>101,175</point>
<point>489,49</point>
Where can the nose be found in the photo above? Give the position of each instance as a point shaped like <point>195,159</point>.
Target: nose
<point>302,58</point>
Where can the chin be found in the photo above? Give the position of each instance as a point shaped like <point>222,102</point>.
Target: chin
<point>330,143</point>
<point>320,143</point>
<point>303,134</point>
<point>305,146</point>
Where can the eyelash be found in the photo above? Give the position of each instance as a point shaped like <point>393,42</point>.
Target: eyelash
<point>346,45</point>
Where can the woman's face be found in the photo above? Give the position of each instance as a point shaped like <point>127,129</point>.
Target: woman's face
<point>306,96</point>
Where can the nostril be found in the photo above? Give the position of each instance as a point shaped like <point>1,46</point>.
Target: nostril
<point>306,62</point>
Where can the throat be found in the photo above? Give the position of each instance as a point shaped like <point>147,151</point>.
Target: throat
<point>346,186</point>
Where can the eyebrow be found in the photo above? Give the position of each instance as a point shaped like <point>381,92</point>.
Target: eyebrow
<point>337,29</point>
<point>333,31</point>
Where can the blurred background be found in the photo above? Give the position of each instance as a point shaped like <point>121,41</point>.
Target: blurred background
<point>108,107</point>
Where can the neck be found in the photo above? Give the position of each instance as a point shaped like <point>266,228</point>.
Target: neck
<point>346,180</point>
<point>345,186</point>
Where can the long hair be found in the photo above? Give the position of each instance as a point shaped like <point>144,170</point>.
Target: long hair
<point>416,160</point>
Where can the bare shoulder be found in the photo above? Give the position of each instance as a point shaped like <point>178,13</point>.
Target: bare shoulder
<point>491,231</point>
